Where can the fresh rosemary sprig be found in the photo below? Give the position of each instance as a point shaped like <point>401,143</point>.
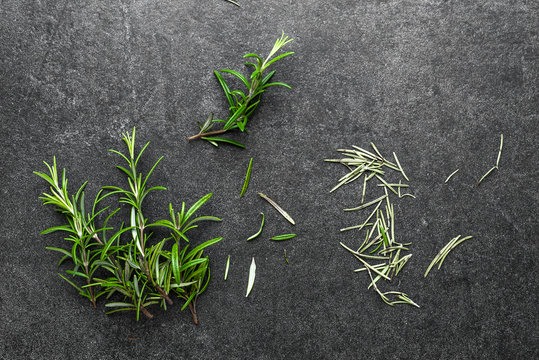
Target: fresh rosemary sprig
<point>243,104</point>
<point>140,273</point>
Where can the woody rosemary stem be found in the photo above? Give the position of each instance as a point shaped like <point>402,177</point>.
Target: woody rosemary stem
<point>209,133</point>
<point>193,313</point>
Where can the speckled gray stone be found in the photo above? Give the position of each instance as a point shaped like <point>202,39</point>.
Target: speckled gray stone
<point>435,81</point>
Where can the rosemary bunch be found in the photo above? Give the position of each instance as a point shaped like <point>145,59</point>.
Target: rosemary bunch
<point>243,104</point>
<point>139,272</point>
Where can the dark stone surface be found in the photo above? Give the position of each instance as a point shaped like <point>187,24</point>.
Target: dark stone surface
<point>434,81</point>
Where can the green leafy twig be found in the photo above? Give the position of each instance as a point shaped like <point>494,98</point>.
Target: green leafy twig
<point>243,104</point>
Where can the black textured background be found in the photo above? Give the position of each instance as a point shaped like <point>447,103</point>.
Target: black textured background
<point>435,81</point>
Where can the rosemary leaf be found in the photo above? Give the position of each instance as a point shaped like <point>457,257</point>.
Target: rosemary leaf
<point>252,274</point>
<point>285,257</point>
<point>247,177</point>
<point>450,175</point>
<point>400,167</point>
<point>227,266</point>
<point>283,237</point>
<point>499,152</point>
<point>259,230</point>
<point>278,208</point>
<point>368,204</point>
<point>486,174</point>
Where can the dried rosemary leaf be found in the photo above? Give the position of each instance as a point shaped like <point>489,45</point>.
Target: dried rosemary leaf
<point>252,274</point>
<point>278,208</point>
<point>450,175</point>
<point>227,266</point>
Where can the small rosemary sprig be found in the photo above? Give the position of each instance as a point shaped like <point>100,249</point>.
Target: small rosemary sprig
<point>243,104</point>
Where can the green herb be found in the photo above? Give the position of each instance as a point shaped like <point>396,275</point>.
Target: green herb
<point>132,270</point>
<point>259,230</point>
<point>283,237</point>
<point>450,175</point>
<point>243,104</point>
<point>227,266</point>
<point>278,208</point>
<point>440,257</point>
<point>233,2</point>
<point>251,281</point>
<point>286,259</point>
<point>247,177</point>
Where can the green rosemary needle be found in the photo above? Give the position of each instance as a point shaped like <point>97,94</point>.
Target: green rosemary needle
<point>283,237</point>
<point>254,236</point>
<point>440,257</point>
<point>247,177</point>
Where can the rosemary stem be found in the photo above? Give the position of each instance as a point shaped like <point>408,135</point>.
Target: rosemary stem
<point>209,133</point>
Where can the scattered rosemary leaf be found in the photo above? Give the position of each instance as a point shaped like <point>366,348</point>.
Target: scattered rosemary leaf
<point>252,274</point>
<point>364,188</point>
<point>285,257</point>
<point>278,208</point>
<point>486,174</point>
<point>499,152</point>
<point>259,230</point>
<point>440,257</point>
<point>233,2</point>
<point>367,204</point>
<point>227,266</point>
<point>247,177</point>
<point>283,237</point>
<point>450,175</point>
<point>400,167</point>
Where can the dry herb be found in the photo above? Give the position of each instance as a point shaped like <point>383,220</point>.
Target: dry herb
<point>451,175</point>
<point>243,104</point>
<point>137,273</point>
<point>278,208</point>
<point>286,258</point>
<point>380,242</point>
<point>495,167</point>
<point>247,177</point>
<point>252,275</point>
<point>227,266</point>
<point>440,257</point>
